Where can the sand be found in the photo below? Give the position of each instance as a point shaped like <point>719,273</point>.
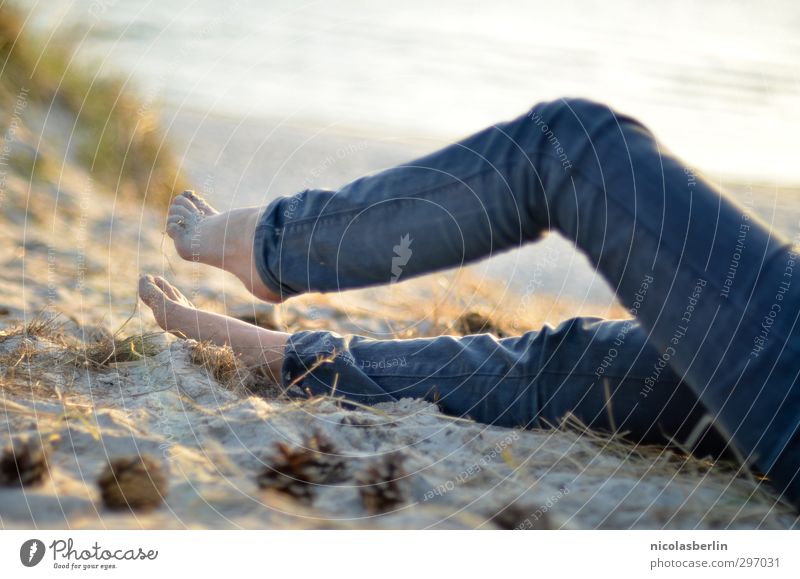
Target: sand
<point>72,253</point>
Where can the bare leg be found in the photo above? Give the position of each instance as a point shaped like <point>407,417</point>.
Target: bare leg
<point>177,315</point>
<point>223,240</point>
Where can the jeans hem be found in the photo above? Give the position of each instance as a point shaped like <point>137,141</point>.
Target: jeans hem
<point>263,229</point>
<point>318,363</point>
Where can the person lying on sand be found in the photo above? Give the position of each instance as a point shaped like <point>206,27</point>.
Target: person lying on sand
<point>711,360</point>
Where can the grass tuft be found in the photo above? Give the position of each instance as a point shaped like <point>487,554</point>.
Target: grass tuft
<point>224,366</point>
<point>116,137</point>
<point>42,325</point>
<point>110,350</point>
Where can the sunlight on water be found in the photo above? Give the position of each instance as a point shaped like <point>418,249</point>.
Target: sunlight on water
<point>717,80</point>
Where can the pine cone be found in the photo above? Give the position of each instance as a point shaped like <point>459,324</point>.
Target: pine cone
<point>295,470</point>
<point>358,421</point>
<point>383,485</point>
<point>23,463</point>
<point>133,482</point>
<point>470,323</point>
<point>519,517</point>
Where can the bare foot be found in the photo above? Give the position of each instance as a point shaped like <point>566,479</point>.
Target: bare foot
<point>223,240</point>
<point>177,315</point>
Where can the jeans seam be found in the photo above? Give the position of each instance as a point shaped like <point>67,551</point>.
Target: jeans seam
<point>425,193</point>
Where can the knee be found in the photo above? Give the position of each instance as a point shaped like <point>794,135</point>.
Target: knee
<point>572,130</point>
<point>552,116</point>
<point>563,129</point>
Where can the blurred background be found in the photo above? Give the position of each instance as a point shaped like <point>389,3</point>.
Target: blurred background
<point>265,98</point>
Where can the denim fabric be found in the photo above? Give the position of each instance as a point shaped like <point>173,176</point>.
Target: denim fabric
<point>716,328</point>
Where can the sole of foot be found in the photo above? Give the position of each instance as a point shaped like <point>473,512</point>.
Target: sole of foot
<point>170,307</point>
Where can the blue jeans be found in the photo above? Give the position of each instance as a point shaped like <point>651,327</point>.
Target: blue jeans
<point>714,346</point>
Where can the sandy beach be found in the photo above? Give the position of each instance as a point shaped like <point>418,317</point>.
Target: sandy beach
<point>110,423</point>
<point>71,257</point>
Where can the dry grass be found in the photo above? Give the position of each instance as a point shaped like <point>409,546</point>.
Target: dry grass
<point>42,325</point>
<point>117,139</point>
<point>474,322</point>
<point>111,350</point>
<point>20,345</point>
<point>41,345</point>
<point>15,361</point>
<point>226,368</point>
<point>746,491</point>
<point>219,362</point>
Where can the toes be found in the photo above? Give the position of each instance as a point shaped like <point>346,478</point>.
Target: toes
<point>200,203</point>
<point>150,293</point>
<point>166,287</point>
<point>182,203</point>
<point>193,202</point>
<point>173,230</point>
<point>180,218</point>
<point>157,294</point>
<point>181,215</point>
<point>171,291</point>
